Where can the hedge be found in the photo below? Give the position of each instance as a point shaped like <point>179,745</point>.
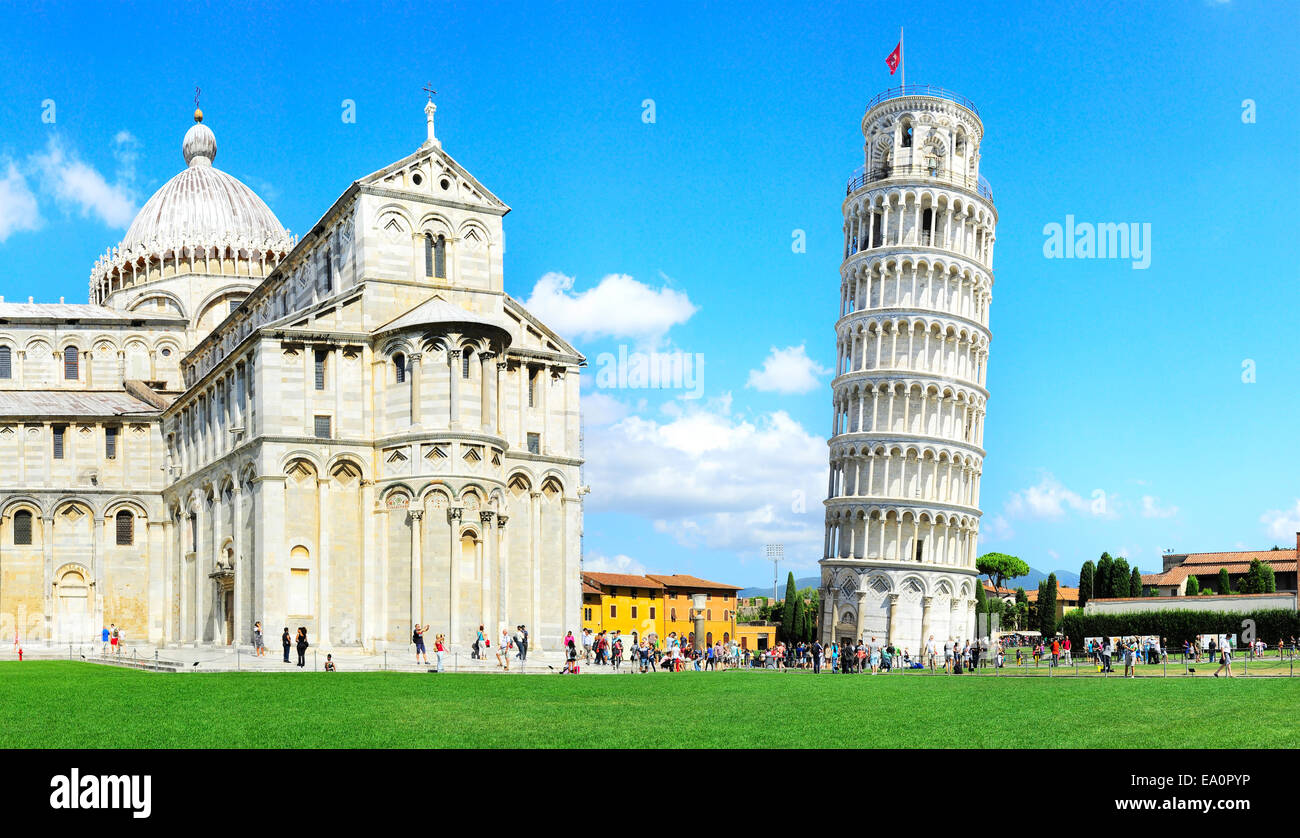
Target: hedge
<point>1180,625</point>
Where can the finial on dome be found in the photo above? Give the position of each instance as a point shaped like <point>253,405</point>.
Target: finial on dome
<point>198,115</point>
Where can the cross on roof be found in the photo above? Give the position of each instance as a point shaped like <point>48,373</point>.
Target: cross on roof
<point>428,88</point>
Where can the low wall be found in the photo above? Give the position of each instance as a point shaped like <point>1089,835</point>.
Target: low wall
<point>1233,603</point>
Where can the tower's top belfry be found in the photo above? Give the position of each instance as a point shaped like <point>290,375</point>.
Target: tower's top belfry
<point>922,131</point>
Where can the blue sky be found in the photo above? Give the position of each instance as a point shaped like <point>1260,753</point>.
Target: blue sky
<point>675,234</point>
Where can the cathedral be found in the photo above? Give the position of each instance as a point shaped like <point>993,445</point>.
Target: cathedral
<point>356,430</point>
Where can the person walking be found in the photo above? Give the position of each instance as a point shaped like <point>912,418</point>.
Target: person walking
<point>503,650</point>
<point>287,642</point>
<point>480,641</point>
<point>1225,660</point>
<point>302,646</point>
<point>817,657</point>
<point>417,637</point>
<point>259,642</point>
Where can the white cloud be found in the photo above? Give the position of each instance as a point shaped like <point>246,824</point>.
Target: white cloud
<point>1049,499</point>
<point>1151,508</point>
<point>1282,524</point>
<point>617,307</point>
<point>18,207</point>
<point>600,409</point>
<point>600,563</point>
<point>713,480</point>
<point>78,184</point>
<point>788,371</point>
<point>996,529</point>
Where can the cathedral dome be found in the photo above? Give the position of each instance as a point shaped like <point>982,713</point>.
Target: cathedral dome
<point>201,221</point>
<point>203,205</point>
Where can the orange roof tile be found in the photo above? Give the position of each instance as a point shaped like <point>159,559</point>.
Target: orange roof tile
<point>620,580</point>
<point>1270,556</point>
<point>681,580</point>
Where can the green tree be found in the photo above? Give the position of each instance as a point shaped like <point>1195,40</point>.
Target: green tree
<point>1000,567</point>
<point>1086,574</point>
<point>1193,586</point>
<point>1258,580</point>
<point>789,610</point>
<point>1225,584</point>
<point>1102,587</point>
<point>1010,617</point>
<point>1047,606</point>
<point>1135,583</point>
<point>1119,578</point>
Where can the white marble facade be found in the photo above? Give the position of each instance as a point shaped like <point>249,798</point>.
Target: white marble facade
<point>354,430</point>
<point>902,508</point>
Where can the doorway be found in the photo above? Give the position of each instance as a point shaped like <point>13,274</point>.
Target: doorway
<point>228,607</point>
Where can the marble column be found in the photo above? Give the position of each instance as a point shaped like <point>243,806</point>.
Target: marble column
<point>926,602</point>
<point>859,628</point>
<point>454,367</point>
<point>414,358</point>
<point>417,569</point>
<point>453,596</point>
<point>487,537</point>
<point>486,389</point>
<point>503,575</point>
<point>892,636</point>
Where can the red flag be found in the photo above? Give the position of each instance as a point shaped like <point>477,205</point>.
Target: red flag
<point>894,58</point>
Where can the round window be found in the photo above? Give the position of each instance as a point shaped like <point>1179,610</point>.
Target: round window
<point>445,184</point>
<point>166,353</point>
<point>417,179</point>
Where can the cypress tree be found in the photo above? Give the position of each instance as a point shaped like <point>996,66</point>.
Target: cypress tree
<point>1225,584</point>
<point>1047,606</point>
<point>1119,578</point>
<point>1086,574</point>
<point>1135,583</point>
<point>789,626</point>
<point>1102,587</point>
<point>1193,586</point>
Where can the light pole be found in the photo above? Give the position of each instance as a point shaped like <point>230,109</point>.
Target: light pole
<point>775,553</point>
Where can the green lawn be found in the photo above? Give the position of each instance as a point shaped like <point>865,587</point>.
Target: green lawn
<point>72,705</point>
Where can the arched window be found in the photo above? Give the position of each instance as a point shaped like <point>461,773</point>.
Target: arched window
<point>907,135</point>
<point>6,362</point>
<point>125,528</point>
<point>440,258</point>
<point>927,223</point>
<point>22,527</point>
<point>672,615</point>
<point>70,364</point>
<point>428,255</point>
<point>464,362</point>
<point>399,366</point>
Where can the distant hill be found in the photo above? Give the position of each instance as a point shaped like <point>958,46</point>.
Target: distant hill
<point>1064,578</point>
<point>766,590</point>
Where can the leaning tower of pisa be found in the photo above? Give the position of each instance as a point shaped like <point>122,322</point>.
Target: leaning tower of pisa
<point>912,338</point>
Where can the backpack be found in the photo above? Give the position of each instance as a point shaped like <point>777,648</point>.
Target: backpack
<point>415,638</point>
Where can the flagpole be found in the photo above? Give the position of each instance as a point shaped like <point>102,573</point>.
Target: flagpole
<point>902,65</point>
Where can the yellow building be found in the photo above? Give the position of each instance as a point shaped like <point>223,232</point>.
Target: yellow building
<point>662,604</point>
<point>679,591</point>
<point>622,602</point>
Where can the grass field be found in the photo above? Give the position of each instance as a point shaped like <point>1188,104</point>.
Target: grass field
<point>55,704</point>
